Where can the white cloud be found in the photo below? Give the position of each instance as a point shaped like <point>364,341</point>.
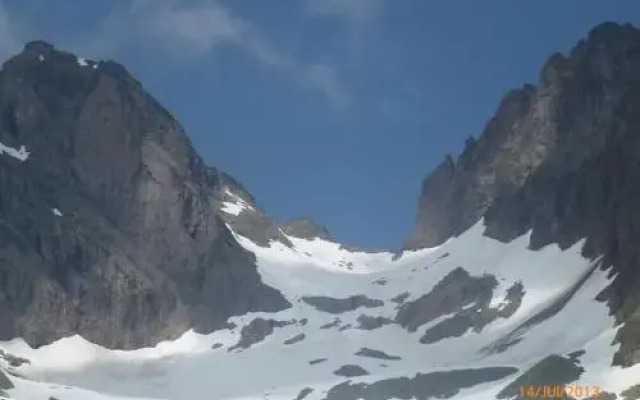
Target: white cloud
<point>324,78</point>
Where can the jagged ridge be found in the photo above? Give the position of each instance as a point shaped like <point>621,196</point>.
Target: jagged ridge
<point>562,159</point>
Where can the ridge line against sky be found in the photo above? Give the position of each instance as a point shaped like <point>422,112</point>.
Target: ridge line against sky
<point>331,109</point>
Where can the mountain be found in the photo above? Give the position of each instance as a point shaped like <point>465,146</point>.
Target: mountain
<point>520,279</point>
<point>560,159</point>
<point>109,220</point>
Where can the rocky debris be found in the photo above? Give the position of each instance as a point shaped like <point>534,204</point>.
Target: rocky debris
<point>551,371</point>
<point>422,386</point>
<point>256,331</point>
<point>295,339</point>
<point>317,361</point>
<point>350,370</point>
<point>369,323</point>
<point>559,159</point>
<point>372,353</point>
<point>304,393</point>
<point>140,253</point>
<point>455,291</point>
<point>339,306</point>
<point>305,228</point>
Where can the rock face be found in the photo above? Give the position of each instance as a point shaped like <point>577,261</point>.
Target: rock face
<point>109,221</point>
<point>305,228</point>
<point>561,158</point>
<point>240,211</point>
<point>583,108</point>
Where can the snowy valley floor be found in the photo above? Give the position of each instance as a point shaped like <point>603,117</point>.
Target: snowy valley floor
<point>462,321</point>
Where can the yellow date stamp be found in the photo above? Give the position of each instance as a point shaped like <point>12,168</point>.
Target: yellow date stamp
<point>559,391</point>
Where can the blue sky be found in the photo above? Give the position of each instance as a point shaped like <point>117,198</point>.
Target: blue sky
<point>332,109</point>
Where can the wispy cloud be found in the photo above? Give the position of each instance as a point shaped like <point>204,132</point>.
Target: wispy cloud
<point>359,18</point>
<point>186,32</point>
<point>182,28</point>
<point>200,28</point>
<point>324,78</point>
<point>358,11</point>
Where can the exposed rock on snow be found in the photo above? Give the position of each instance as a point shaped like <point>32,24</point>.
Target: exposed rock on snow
<point>333,324</point>
<point>370,323</point>
<point>632,393</point>
<point>454,292</point>
<point>304,393</point>
<point>318,361</point>
<point>350,371</point>
<point>297,338</point>
<point>12,360</point>
<point>5,383</point>
<point>552,371</point>
<point>474,318</point>
<point>372,353</point>
<point>339,306</point>
<point>422,386</point>
<point>257,330</point>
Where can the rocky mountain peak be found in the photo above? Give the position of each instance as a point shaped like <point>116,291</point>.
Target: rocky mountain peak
<point>531,127</point>
<point>38,46</point>
<point>558,159</point>
<point>305,228</point>
<point>110,228</point>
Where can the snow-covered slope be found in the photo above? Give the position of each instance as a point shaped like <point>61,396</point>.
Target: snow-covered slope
<point>463,320</point>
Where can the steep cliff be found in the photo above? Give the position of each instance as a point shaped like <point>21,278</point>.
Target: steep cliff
<point>110,224</point>
<point>561,159</point>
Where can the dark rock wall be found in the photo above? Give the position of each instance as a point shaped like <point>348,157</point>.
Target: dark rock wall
<point>562,159</point>
<point>139,254</point>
